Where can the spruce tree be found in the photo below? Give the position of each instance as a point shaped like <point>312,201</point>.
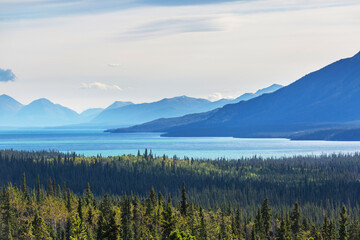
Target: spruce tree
<point>112,229</point>
<point>126,230</point>
<point>7,217</point>
<point>295,220</point>
<point>107,227</point>
<point>50,187</point>
<point>68,201</point>
<point>26,230</point>
<point>343,222</point>
<point>78,230</point>
<point>137,219</point>
<point>160,199</point>
<point>354,230</point>
<point>88,196</point>
<point>68,229</point>
<point>168,225</point>
<point>192,219</point>
<point>90,217</point>
<point>314,233</point>
<point>332,231</point>
<point>258,226</point>
<point>24,187</point>
<point>238,223</point>
<point>223,232</point>
<point>106,207</point>
<point>253,233</point>
<point>325,230</point>
<point>183,204</point>
<point>100,233</point>
<point>266,217</point>
<point>305,224</point>
<point>40,229</point>
<point>38,190</point>
<point>150,202</point>
<point>146,154</point>
<point>203,230</point>
<point>283,233</point>
<point>79,210</point>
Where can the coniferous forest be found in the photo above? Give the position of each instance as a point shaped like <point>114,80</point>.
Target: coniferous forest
<point>53,195</point>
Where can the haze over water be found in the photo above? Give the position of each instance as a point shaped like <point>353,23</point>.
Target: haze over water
<point>94,142</point>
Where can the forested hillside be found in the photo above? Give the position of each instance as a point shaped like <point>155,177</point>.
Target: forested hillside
<point>58,213</point>
<point>51,195</point>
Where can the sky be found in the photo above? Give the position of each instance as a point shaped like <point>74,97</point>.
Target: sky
<point>86,53</point>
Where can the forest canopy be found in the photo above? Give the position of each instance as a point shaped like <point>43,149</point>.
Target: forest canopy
<point>53,195</point>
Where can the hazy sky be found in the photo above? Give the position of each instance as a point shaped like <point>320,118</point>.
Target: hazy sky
<point>86,53</point>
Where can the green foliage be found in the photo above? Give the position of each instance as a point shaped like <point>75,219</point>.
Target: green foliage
<point>183,203</point>
<point>7,216</point>
<point>168,223</point>
<point>126,233</point>
<point>266,217</point>
<point>343,223</point>
<point>295,220</point>
<point>78,229</point>
<point>283,233</point>
<point>203,210</point>
<point>40,229</point>
<point>325,181</point>
<point>176,235</point>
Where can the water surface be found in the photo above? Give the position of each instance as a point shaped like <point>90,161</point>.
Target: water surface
<point>93,142</point>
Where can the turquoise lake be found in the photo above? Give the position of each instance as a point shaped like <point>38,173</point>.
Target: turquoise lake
<point>93,142</point>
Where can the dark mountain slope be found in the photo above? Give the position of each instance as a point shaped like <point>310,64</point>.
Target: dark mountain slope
<point>328,96</point>
<point>245,96</point>
<point>248,96</point>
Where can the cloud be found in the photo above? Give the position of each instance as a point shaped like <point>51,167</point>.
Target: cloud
<point>173,26</point>
<point>6,75</point>
<point>114,65</point>
<point>14,9</point>
<point>215,96</point>
<point>101,86</point>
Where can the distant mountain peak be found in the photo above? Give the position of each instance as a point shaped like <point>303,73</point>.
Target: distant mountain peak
<point>357,55</point>
<point>7,98</point>
<point>4,96</point>
<point>118,104</point>
<point>183,98</point>
<point>248,96</point>
<point>178,97</point>
<point>8,105</point>
<point>42,101</point>
<point>276,85</point>
<point>269,89</point>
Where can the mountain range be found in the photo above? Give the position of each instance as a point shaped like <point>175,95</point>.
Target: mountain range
<point>44,113</point>
<point>326,98</point>
<point>130,114</point>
